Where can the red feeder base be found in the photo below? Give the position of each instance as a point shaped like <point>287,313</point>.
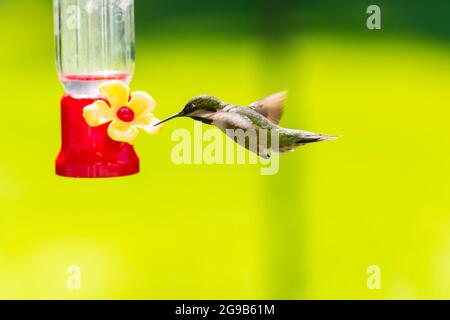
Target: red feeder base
<point>89,152</point>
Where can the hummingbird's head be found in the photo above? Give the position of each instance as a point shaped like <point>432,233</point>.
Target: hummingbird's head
<point>199,108</point>
<point>201,104</point>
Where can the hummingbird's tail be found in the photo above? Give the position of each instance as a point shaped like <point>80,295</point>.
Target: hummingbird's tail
<point>301,138</point>
<point>309,137</point>
<point>323,137</point>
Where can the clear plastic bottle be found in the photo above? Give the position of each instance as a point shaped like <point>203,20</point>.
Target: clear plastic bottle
<point>94,43</point>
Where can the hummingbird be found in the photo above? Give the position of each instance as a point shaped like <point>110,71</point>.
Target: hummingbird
<point>264,114</point>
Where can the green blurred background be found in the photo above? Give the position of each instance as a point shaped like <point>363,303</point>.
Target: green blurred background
<point>377,196</point>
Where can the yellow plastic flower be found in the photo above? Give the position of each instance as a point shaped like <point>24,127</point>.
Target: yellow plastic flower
<point>126,115</point>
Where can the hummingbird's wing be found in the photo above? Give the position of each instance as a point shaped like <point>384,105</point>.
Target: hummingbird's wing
<point>231,120</point>
<point>239,118</point>
<point>271,107</point>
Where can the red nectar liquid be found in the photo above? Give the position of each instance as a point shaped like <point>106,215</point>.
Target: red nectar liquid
<point>89,152</point>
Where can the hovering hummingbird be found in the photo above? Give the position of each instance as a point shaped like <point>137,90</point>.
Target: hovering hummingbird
<point>261,115</point>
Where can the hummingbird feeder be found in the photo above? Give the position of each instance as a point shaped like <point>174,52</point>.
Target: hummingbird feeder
<point>95,53</point>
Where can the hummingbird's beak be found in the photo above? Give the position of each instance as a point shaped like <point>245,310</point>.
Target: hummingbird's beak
<point>180,114</point>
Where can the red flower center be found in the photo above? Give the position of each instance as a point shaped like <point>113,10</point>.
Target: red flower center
<point>125,114</point>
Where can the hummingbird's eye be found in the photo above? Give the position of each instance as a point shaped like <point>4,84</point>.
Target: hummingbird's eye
<point>190,107</point>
